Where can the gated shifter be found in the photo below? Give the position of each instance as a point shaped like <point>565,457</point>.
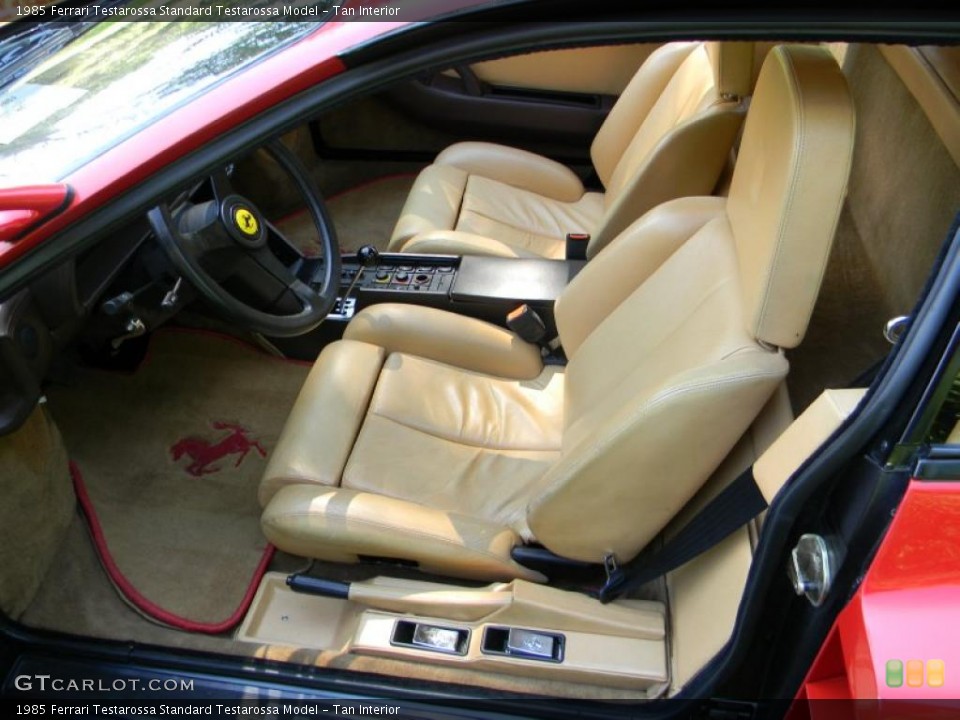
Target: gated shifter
<point>368,257</point>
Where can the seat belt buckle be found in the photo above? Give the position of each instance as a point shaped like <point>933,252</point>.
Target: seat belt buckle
<point>577,246</point>
<point>610,590</point>
<point>525,322</point>
<point>610,566</point>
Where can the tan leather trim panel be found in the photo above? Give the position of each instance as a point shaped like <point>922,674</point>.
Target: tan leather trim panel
<point>667,332</point>
<point>464,442</point>
<point>604,70</point>
<point>457,242</point>
<point>634,104</point>
<point>519,603</point>
<point>602,659</point>
<point>932,75</point>
<point>686,166</point>
<point>433,202</point>
<point>705,595</point>
<point>803,437</point>
<point>529,222</point>
<point>457,340</point>
<point>789,184</point>
<point>284,624</point>
<point>339,523</point>
<point>669,135</point>
<point>610,277</point>
<point>732,67</point>
<point>514,167</point>
<point>716,407</point>
<point>319,433</point>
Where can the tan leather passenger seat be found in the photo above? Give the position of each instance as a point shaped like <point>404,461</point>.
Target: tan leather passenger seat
<point>668,136</point>
<point>427,436</point>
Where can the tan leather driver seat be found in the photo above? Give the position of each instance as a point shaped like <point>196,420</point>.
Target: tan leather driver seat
<point>668,136</point>
<point>428,436</point>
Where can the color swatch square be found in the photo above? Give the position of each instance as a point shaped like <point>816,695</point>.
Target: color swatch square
<point>915,673</point>
<point>935,673</point>
<point>894,673</point>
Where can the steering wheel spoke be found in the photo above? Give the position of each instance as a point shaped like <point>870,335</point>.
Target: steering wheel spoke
<point>222,186</point>
<point>231,222</point>
<point>280,242</point>
<point>272,265</point>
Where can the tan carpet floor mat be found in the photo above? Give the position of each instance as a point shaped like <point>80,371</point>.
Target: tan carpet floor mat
<point>364,215</point>
<point>171,456</point>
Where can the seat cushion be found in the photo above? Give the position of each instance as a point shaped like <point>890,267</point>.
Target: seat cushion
<point>459,441</point>
<point>528,207</point>
<point>457,340</point>
<point>339,525</point>
<point>319,433</point>
<point>669,135</point>
<point>433,204</point>
<point>524,219</point>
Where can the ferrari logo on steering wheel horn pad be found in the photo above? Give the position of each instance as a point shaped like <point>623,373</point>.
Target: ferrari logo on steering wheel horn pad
<point>243,222</point>
<point>246,221</point>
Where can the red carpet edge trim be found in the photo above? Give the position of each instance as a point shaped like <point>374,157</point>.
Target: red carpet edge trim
<point>134,596</point>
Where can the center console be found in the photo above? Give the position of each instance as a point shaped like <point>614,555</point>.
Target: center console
<point>487,288</point>
<point>490,287</point>
<point>419,279</point>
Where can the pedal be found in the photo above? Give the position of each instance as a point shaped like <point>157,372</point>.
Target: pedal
<point>135,327</point>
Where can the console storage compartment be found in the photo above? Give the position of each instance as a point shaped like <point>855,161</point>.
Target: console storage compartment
<point>486,288</point>
<point>517,627</point>
<point>490,287</point>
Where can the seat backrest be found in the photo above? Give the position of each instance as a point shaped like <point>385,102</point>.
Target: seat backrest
<point>670,133</point>
<point>674,332</point>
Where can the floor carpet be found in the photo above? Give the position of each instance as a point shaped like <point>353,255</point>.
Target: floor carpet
<point>171,456</point>
<point>187,541</point>
<point>76,598</point>
<point>364,215</point>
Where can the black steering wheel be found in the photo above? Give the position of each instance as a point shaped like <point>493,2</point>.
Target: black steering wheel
<point>204,240</point>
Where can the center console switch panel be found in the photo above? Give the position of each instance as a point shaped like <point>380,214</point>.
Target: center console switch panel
<point>482,287</point>
<point>398,273</point>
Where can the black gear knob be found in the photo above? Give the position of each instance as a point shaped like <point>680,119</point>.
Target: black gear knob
<point>368,256</point>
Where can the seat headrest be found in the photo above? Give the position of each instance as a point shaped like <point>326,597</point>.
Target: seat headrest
<point>732,67</point>
<point>788,187</point>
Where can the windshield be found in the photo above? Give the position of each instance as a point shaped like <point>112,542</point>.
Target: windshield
<point>113,80</point>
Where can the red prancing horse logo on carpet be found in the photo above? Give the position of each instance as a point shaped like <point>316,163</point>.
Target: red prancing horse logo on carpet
<point>204,453</point>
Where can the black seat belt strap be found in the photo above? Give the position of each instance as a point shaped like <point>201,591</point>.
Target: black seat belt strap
<point>734,507</point>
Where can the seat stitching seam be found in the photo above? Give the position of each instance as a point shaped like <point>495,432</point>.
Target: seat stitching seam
<point>462,196</point>
<point>466,443</point>
<point>512,226</point>
<point>415,532</point>
<point>645,410</point>
<point>798,145</point>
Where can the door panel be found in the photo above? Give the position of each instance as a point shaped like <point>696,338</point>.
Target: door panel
<point>593,70</point>
<point>549,102</point>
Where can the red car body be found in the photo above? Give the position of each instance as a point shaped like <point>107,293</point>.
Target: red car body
<point>905,609</point>
<point>274,79</point>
